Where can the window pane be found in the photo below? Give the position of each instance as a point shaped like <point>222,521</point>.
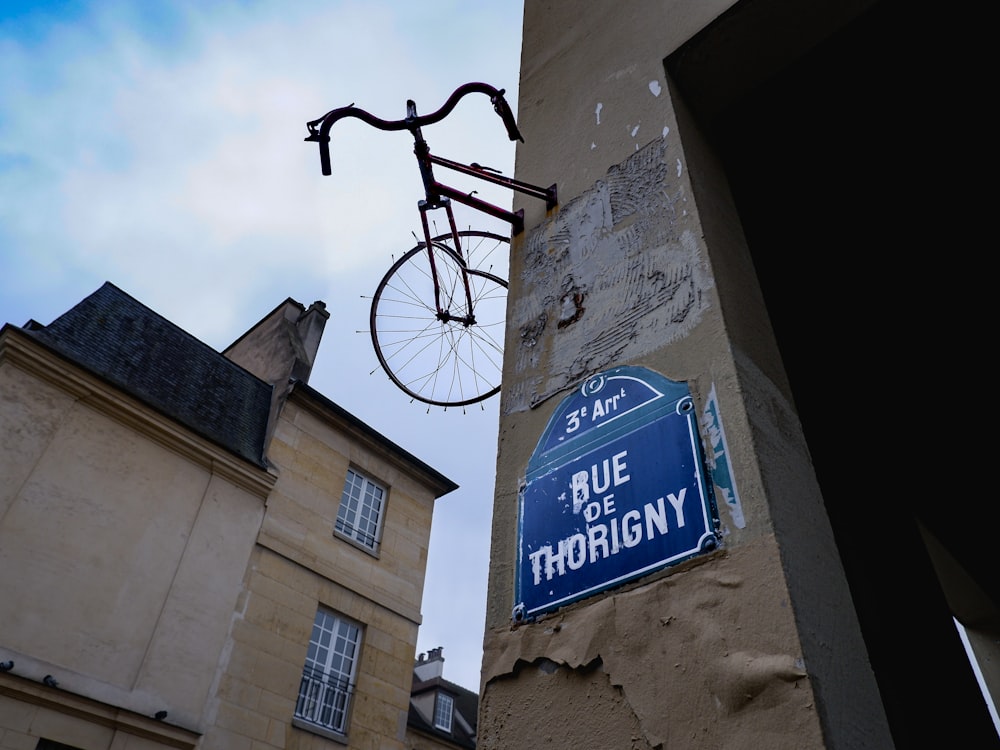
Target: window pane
<point>328,676</point>
<point>360,512</point>
<point>442,711</point>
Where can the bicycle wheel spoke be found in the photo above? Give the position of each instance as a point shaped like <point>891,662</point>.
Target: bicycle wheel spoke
<point>441,351</point>
<point>480,252</point>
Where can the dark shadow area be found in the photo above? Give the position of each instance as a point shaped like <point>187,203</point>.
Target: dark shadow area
<point>855,160</point>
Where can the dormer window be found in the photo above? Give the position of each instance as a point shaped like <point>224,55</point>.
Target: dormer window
<point>444,707</point>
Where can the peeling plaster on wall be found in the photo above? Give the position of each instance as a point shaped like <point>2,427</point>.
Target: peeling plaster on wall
<point>743,676</point>
<point>530,333</point>
<point>625,248</point>
<point>694,639</point>
<point>533,706</point>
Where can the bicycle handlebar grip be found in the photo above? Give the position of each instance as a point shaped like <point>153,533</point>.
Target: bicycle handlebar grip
<point>316,135</point>
<point>324,158</point>
<point>501,107</point>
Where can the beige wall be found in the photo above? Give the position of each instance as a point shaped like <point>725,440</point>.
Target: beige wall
<point>314,454</point>
<point>108,524</point>
<point>147,570</point>
<point>29,711</point>
<point>644,263</point>
<point>301,564</point>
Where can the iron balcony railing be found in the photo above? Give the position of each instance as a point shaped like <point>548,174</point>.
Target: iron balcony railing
<point>357,533</point>
<point>324,700</point>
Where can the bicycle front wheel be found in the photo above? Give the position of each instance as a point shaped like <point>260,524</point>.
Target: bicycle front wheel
<point>440,350</point>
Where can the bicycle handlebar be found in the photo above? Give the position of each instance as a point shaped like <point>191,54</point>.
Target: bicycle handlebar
<point>319,129</point>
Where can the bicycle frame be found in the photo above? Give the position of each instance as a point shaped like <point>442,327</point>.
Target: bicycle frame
<point>439,195</point>
<point>444,315</point>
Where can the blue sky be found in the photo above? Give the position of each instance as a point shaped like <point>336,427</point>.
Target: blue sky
<point>159,146</point>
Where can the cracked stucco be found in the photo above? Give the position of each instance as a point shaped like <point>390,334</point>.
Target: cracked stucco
<point>602,674</point>
<point>615,274</point>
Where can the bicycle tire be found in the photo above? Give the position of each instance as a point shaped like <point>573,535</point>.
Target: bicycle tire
<point>439,362</point>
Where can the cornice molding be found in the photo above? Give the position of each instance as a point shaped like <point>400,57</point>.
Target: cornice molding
<point>62,701</point>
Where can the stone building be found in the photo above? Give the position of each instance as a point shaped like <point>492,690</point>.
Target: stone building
<point>197,549</point>
<point>768,207</point>
<point>443,714</point>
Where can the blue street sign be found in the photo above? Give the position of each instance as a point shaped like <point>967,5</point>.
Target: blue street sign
<point>615,489</point>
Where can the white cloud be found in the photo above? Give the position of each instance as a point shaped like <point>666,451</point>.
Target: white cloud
<point>159,145</point>
<point>170,164</point>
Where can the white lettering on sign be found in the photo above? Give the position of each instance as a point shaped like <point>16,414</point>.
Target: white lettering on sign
<point>603,476</point>
<point>605,406</point>
<point>602,407</point>
<point>604,539</point>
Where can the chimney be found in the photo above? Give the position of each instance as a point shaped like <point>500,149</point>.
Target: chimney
<point>309,327</point>
<point>281,349</point>
<point>283,345</point>
<point>430,667</point>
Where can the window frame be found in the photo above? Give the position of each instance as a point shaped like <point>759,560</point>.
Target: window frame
<point>442,698</point>
<point>353,523</point>
<point>326,690</point>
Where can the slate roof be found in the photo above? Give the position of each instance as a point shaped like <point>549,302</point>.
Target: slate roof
<point>119,339</point>
<point>466,704</point>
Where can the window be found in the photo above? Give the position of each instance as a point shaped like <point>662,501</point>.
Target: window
<point>442,711</point>
<point>360,513</point>
<point>328,677</point>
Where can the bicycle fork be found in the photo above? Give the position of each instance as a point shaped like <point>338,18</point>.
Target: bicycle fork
<point>443,314</point>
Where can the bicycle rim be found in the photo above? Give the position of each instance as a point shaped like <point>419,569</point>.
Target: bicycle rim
<point>443,363</point>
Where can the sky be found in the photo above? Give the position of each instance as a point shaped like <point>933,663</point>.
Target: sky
<point>158,145</point>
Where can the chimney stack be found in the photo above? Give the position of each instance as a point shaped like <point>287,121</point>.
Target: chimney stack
<point>430,667</point>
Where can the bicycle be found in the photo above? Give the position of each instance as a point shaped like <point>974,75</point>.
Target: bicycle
<point>437,321</point>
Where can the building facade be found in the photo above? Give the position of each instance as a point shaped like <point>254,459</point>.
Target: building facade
<point>744,188</point>
<point>197,549</point>
<point>443,714</point>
